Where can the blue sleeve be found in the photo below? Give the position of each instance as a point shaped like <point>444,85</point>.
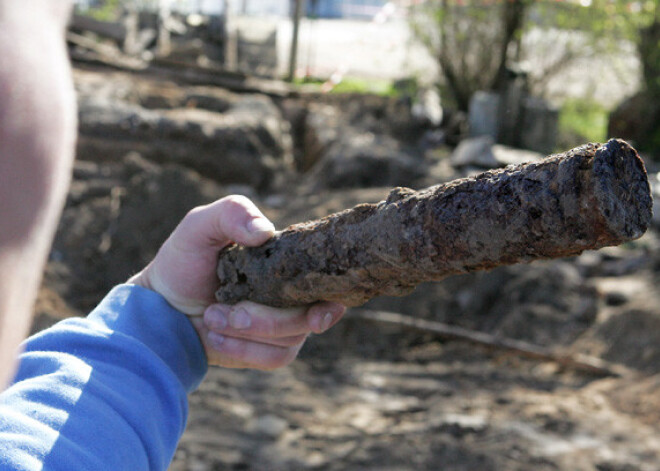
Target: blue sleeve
<point>107,392</point>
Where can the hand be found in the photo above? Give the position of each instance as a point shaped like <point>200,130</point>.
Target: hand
<point>250,335</point>
<point>184,273</point>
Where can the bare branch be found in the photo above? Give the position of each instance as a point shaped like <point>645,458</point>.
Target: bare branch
<point>588,364</point>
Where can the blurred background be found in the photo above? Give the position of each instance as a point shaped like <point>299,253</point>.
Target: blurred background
<point>311,107</point>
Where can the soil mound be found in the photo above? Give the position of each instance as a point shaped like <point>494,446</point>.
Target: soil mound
<point>365,395</point>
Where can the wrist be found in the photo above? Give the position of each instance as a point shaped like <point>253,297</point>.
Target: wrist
<point>147,280</point>
<point>140,279</point>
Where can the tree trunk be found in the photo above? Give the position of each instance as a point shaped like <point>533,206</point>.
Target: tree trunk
<point>513,19</point>
<point>587,198</point>
<point>649,53</point>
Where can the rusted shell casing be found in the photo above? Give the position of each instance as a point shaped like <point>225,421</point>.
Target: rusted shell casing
<point>587,198</point>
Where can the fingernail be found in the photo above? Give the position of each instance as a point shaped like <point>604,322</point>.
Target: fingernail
<point>215,339</point>
<point>215,317</point>
<point>260,225</point>
<point>326,321</point>
<point>240,319</point>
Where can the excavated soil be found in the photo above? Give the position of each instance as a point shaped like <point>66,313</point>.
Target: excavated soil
<point>373,396</point>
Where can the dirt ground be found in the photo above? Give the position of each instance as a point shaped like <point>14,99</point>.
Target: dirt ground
<point>376,397</point>
<point>369,395</point>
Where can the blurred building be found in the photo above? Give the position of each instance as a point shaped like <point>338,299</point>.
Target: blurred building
<point>346,9</point>
<point>352,9</point>
<point>207,7</point>
<point>358,9</point>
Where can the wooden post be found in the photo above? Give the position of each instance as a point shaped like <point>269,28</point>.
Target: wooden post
<point>231,38</point>
<point>293,56</point>
<point>164,46</point>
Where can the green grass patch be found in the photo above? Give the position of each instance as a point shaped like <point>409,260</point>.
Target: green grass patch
<point>583,120</point>
<point>352,85</point>
<point>109,11</point>
<point>372,86</point>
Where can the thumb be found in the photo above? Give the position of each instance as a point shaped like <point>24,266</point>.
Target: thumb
<point>234,218</point>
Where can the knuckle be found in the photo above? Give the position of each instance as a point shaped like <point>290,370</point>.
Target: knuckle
<point>249,306</point>
<point>194,212</point>
<point>193,215</point>
<point>236,201</point>
<point>268,323</point>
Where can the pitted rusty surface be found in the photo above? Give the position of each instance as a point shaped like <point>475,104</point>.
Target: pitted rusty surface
<point>587,198</point>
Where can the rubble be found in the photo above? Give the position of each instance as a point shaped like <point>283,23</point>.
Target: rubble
<point>364,159</point>
<point>235,141</point>
<point>361,396</point>
<point>475,152</point>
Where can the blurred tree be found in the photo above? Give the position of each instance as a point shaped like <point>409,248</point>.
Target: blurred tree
<point>106,10</point>
<point>649,51</point>
<point>475,41</point>
<point>638,117</point>
<point>471,40</point>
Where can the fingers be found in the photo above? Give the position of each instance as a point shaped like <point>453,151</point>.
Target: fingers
<point>321,316</point>
<point>233,218</point>
<point>251,335</point>
<point>255,320</point>
<point>232,352</point>
<point>262,356</point>
<point>252,320</point>
<point>238,219</point>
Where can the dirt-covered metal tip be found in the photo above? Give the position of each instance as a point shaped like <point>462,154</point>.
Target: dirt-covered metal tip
<point>587,198</point>
<point>622,189</point>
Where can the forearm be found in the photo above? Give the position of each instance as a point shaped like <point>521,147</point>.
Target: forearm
<point>103,393</point>
<point>37,136</point>
<point>37,116</point>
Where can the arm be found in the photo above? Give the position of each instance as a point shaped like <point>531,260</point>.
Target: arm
<point>109,391</point>
<point>37,135</point>
<point>103,393</point>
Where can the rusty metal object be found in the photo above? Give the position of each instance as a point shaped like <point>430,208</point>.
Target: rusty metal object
<point>590,197</point>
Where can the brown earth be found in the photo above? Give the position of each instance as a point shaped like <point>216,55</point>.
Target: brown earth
<point>369,395</point>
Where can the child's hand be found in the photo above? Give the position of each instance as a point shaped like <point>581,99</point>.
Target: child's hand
<point>184,273</point>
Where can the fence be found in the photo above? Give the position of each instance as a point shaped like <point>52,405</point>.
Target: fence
<point>363,9</point>
<point>352,9</point>
<point>209,7</point>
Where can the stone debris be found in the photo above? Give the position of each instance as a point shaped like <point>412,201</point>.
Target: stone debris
<point>361,396</point>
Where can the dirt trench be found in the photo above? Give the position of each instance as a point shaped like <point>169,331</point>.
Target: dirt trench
<point>366,395</point>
